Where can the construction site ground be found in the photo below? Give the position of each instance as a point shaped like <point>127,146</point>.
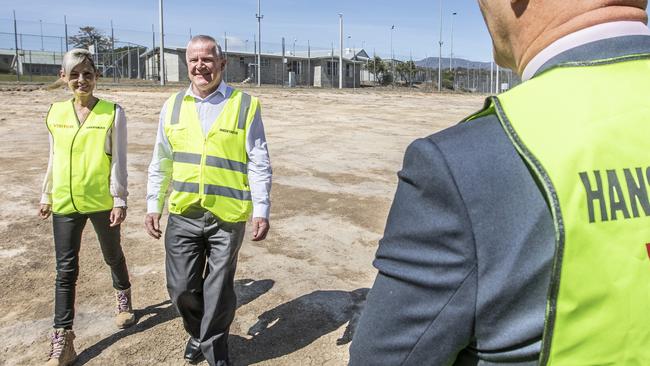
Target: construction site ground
<point>335,155</point>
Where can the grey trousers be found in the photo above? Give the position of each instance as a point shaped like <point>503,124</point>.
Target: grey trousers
<point>67,243</point>
<point>201,259</point>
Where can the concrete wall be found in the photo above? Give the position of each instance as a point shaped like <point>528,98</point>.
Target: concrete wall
<point>241,67</point>
<point>351,77</point>
<point>171,64</point>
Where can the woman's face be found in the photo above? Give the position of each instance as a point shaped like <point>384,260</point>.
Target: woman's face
<point>82,79</point>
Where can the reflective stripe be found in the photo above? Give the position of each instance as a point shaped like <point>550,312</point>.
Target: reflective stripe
<point>216,162</point>
<point>243,110</point>
<point>183,157</point>
<point>185,187</point>
<point>176,112</point>
<point>213,161</point>
<point>227,192</point>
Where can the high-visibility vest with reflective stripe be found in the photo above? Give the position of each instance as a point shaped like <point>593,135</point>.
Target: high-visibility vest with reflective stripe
<point>80,168</point>
<point>210,170</point>
<point>584,130</point>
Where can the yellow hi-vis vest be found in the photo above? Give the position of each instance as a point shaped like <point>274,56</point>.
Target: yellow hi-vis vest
<point>584,130</point>
<point>210,170</point>
<point>81,168</point>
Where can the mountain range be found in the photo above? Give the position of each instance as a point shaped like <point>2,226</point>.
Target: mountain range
<point>432,62</point>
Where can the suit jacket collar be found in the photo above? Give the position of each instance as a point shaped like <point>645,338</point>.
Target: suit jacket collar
<point>603,41</point>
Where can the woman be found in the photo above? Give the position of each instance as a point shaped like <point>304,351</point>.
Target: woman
<point>85,179</point>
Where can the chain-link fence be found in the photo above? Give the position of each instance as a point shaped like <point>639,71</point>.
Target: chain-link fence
<point>32,50</point>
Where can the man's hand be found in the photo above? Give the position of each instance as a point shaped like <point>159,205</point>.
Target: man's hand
<point>118,214</point>
<point>152,225</point>
<point>260,228</point>
<point>44,211</point>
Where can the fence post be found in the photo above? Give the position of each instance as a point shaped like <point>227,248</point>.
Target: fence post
<point>113,54</point>
<point>282,62</point>
<point>16,42</point>
<point>128,59</point>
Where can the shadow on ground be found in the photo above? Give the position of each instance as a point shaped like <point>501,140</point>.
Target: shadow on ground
<point>247,290</point>
<point>296,324</point>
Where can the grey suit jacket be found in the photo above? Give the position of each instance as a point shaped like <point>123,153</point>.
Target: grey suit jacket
<point>465,261</point>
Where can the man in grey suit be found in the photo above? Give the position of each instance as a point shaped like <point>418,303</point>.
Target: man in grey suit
<point>467,254</point>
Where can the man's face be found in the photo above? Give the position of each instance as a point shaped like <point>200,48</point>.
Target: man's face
<point>204,67</point>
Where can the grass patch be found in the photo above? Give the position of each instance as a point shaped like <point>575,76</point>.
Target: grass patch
<point>25,78</point>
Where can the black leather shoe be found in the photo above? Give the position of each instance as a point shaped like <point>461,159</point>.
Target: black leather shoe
<point>193,350</point>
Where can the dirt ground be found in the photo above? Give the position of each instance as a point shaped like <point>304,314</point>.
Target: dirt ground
<point>335,155</point>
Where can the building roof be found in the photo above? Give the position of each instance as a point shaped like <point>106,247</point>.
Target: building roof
<point>35,57</point>
<point>349,55</point>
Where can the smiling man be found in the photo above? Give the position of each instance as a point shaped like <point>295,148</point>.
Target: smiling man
<point>211,147</point>
<point>520,236</point>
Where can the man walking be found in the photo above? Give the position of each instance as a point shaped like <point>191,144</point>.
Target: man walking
<point>522,236</point>
<point>211,147</point>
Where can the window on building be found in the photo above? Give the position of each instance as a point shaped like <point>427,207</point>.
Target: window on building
<point>332,68</point>
<point>348,70</point>
<point>294,66</point>
<point>266,62</point>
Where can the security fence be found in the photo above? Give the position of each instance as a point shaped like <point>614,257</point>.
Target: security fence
<point>30,49</point>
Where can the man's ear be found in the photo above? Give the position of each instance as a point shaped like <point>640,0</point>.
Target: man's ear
<point>519,6</point>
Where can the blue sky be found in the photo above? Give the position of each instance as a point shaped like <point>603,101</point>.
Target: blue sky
<point>368,23</point>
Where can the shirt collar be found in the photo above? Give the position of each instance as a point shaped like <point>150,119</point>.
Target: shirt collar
<point>581,37</point>
<point>221,89</point>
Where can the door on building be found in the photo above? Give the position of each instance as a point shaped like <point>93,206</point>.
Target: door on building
<point>317,76</point>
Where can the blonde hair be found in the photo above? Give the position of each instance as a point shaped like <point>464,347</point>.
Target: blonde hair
<point>75,57</point>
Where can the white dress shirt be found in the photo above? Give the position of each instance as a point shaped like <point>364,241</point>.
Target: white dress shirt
<point>115,146</point>
<point>208,110</point>
<point>582,37</point>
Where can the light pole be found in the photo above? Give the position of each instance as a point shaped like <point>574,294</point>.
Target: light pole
<point>451,57</point>
<point>354,68</point>
<point>18,71</point>
<point>440,52</point>
<point>392,55</point>
<point>293,52</point>
<point>65,22</point>
<point>41,24</point>
<point>162,45</point>
<point>246,45</point>
<point>259,17</point>
<point>341,53</point>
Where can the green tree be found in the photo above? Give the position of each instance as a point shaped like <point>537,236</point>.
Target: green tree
<point>89,36</point>
<point>407,71</point>
<point>447,79</point>
<point>379,68</point>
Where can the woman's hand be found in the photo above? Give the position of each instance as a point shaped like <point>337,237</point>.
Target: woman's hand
<point>44,211</point>
<point>118,214</point>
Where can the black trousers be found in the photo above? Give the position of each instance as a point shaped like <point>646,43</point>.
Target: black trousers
<point>67,242</point>
<point>201,259</point>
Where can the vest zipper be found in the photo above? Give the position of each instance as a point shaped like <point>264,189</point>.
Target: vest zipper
<point>79,127</point>
<point>202,168</point>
